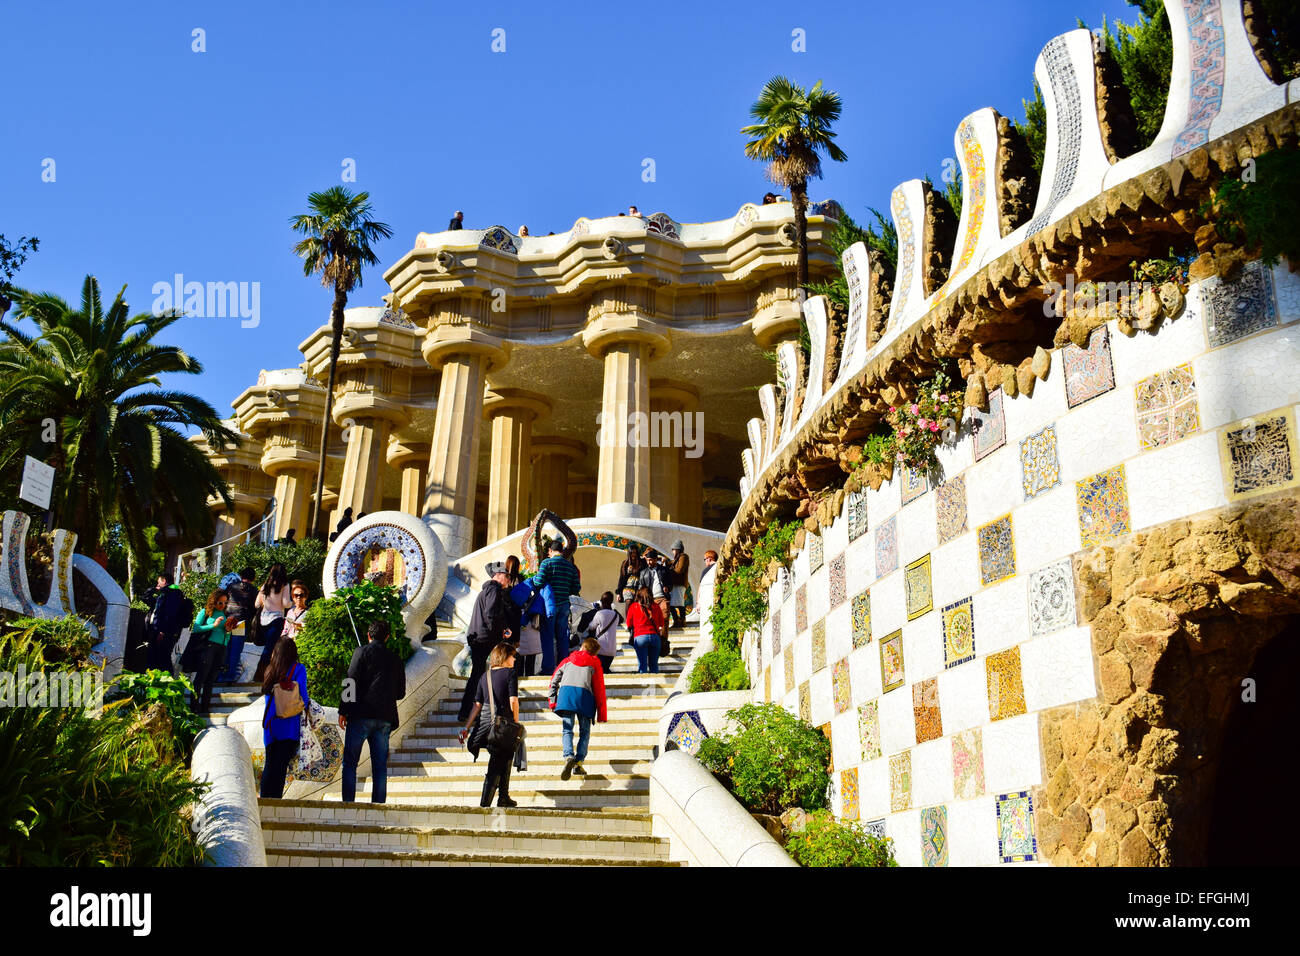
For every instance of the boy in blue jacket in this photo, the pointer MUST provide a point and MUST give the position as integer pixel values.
(578, 692)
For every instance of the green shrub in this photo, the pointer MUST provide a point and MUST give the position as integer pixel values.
(719, 669)
(1264, 213)
(740, 602)
(63, 642)
(826, 841)
(773, 762)
(336, 626)
(160, 687)
(304, 562)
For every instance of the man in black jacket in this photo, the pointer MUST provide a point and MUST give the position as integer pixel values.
(368, 711)
(495, 619)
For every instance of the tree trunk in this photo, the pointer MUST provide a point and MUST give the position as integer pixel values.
(336, 344)
(799, 197)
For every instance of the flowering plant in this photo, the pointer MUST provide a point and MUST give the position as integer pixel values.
(914, 430)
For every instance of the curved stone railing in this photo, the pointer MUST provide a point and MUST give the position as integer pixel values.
(227, 822)
(703, 822)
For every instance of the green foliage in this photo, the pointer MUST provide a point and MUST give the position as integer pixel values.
(772, 762)
(144, 567)
(1158, 271)
(61, 642)
(1280, 29)
(336, 626)
(12, 256)
(1263, 214)
(719, 669)
(1034, 130)
(845, 234)
(826, 841)
(160, 687)
(882, 239)
(1144, 53)
(304, 562)
(917, 428)
(952, 192)
(740, 603)
(81, 790)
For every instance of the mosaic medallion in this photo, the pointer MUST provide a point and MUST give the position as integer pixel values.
(1259, 454)
(1006, 689)
(837, 585)
(1088, 372)
(887, 547)
(819, 645)
(1239, 307)
(997, 550)
(841, 686)
(816, 554)
(869, 729)
(917, 588)
(1039, 466)
(925, 710)
(989, 428)
(1051, 598)
(1016, 841)
(849, 794)
(958, 633)
(934, 836)
(861, 619)
(914, 483)
(856, 508)
(950, 508)
(876, 828)
(789, 669)
(1103, 506)
(1166, 407)
(686, 731)
(801, 609)
(805, 703)
(968, 764)
(900, 781)
(891, 661)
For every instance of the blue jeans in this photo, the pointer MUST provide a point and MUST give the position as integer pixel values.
(236, 651)
(647, 653)
(584, 734)
(374, 731)
(555, 639)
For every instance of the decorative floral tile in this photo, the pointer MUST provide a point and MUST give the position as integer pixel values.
(869, 729)
(1166, 407)
(838, 589)
(1051, 598)
(805, 703)
(686, 731)
(856, 507)
(816, 553)
(819, 645)
(801, 609)
(767, 684)
(997, 550)
(989, 428)
(968, 764)
(776, 633)
(914, 483)
(842, 687)
(958, 633)
(789, 669)
(934, 836)
(1239, 307)
(862, 619)
(826, 732)
(891, 662)
(917, 588)
(900, 781)
(950, 505)
(1259, 454)
(786, 583)
(876, 828)
(1006, 688)
(925, 710)
(1103, 506)
(849, 794)
(1016, 840)
(1088, 372)
(887, 547)
(1039, 466)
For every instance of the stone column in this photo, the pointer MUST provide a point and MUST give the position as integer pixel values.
(465, 355)
(582, 497)
(410, 458)
(670, 404)
(293, 466)
(552, 458)
(627, 344)
(511, 411)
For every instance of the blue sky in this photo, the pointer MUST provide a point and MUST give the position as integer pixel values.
(168, 160)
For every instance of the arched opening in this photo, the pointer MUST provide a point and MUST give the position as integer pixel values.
(1257, 767)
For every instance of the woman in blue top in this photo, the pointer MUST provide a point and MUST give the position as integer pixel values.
(280, 734)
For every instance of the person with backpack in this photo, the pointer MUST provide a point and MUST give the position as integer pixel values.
(206, 651)
(577, 694)
(604, 628)
(368, 712)
(243, 611)
(655, 578)
(165, 622)
(645, 619)
(562, 575)
(285, 688)
(681, 570)
(272, 601)
(497, 695)
(495, 619)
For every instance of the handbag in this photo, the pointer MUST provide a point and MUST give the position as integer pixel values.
(288, 701)
(320, 748)
(530, 641)
(504, 733)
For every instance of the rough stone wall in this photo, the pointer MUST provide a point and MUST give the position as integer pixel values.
(1115, 115)
(1178, 614)
(1017, 186)
(940, 238)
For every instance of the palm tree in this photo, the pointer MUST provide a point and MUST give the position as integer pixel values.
(792, 129)
(84, 395)
(339, 233)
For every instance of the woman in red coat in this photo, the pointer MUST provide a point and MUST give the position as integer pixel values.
(645, 619)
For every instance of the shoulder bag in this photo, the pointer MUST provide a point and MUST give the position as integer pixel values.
(504, 734)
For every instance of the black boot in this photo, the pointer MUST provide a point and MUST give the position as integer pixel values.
(503, 799)
(489, 788)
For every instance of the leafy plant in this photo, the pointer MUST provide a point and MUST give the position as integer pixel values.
(304, 561)
(740, 603)
(1158, 271)
(1278, 24)
(336, 626)
(1263, 214)
(826, 841)
(772, 762)
(1034, 130)
(917, 428)
(718, 669)
(61, 642)
(160, 687)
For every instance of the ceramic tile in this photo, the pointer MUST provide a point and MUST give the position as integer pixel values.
(912, 483)
(891, 661)
(838, 587)
(801, 609)
(849, 794)
(989, 428)
(950, 508)
(925, 710)
(1259, 454)
(1166, 407)
(900, 782)
(869, 729)
(776, 634)
(1040, 468)
(686, 731)
(805, 703)
(887, 547)
(843, 689)
(789, 669)
(1051, 598)
(1088, 372)
(1016, 840)
(819, 645)
(958, 633)
(934, 836)
(816, 552)
(968, 764)
(997, 550)
(786, 583)
(1239, 307)
(767, 684)
(917, 588)
(1006, 688)
(876, 828)
(856, 508)
(862, 619)
(1102, 500)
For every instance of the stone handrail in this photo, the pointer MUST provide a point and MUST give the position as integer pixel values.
(705, 824)
(227, 822)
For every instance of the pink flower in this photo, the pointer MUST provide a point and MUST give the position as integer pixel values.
(920, 422)
(934, 426)
(943, 398)
(916, 409)
(892, 409)
(900, 456)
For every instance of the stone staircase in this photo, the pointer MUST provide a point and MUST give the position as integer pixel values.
(432, 815)
(228, 698)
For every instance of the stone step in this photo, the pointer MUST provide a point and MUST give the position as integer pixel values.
(283, 835)
(538, 750)
(574, 794)
(535, 698)
(551, 763)
(528, 716)
(541, 724)
(334, 858)
(597, 820)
